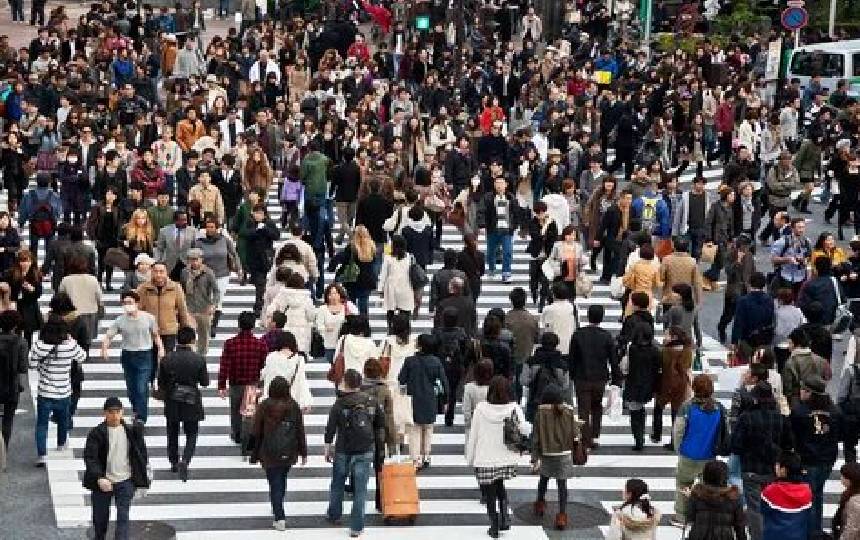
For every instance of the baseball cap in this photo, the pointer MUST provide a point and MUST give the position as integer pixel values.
(112, 403)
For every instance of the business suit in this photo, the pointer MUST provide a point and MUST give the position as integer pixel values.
(172, 254)
(506, 87)
(227, 142)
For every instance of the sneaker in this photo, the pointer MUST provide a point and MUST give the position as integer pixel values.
(355, 534)
(677, 523)
(506, 278)
(63, 448)
(41, 461)
(280, 525)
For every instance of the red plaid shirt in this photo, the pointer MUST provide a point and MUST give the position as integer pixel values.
(242, 359)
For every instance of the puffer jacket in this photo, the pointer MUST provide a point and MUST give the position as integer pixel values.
(802, 364)
(356, 351)
(632, 523)
(299, 308)
(716, 513)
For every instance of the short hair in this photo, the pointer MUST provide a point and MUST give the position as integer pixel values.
(372, 368)
(681, 244)
(791, 462)
(285, 340)
(703, 386)
(758, 280)
(823, 266)
(518, 297)
(129, 294)
(646, 252)
(9, 321)
(595, 314)
(247, 320)
(492, 327)
(279, 318)
(799, 337)
(640, 299)
(499, 392)
(560, 291)
(279, 388)
(186, 335)
(427, 343)
(352, 379)
(484, 372)
(549, 340)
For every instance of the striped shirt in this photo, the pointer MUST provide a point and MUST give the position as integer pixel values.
(55, 368)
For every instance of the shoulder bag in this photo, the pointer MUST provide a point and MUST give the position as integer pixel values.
(843, 317)
(338, 367)
(385, 359)
(513, 437)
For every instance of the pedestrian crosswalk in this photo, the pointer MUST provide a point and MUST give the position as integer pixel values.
(227, 497)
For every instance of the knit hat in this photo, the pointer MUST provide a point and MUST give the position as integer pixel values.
(112, 403)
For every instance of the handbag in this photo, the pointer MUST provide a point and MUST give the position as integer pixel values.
(709, 253)
(349, 272)
(317, 344)
(550, 268)
(513, 437)
(338, 367)
(417, 276)
(457, 215)
(616, 287)
(843, 317)
(117, 258)
(385, 360)
(579, 452)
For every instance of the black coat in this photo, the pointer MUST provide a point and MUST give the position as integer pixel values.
(540, 245)
(346, 181)
(716, 513)
(591, 354)
(372, 212)
(185, 367)
(420, 374)
(474, 266)
(466, 313)
(260, 241)
(96, 453)
(644, 372)
(500, 353)
(10, 241)
(13, 363)
(490, 212)
(419, 244)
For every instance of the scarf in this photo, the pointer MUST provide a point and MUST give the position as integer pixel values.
(191, 279)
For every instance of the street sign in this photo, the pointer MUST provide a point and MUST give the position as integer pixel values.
(795, 3)
(794, 18)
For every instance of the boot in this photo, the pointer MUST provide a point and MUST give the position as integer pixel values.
(504, 515)
(637, 426)
(539, 508)
(561, 521)
(216, 317)
(493, 531)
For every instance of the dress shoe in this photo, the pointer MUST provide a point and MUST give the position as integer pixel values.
(561, 521)
(539, 508)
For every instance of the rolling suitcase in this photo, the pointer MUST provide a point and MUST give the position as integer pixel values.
(398, 491)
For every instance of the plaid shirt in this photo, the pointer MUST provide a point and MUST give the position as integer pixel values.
(242, 359)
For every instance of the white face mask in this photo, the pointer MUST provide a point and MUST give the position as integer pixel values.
(130, 309)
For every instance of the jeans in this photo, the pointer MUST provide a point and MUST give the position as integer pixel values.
(45, 408)
(277, 479)
(320, 284)
(358, 467)
(506, 240)
(377, 259)
(34, 243)
(258, 279)
(137, 367)
(816, 475)
(753, 484)
(346, 217)
(122, 494)
(190, 428)
(223, 8)
(697, 239)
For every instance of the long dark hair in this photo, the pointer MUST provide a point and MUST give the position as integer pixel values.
(686, 293)
(851, 471)
(638, 491)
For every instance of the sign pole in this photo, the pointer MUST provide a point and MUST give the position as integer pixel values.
(831, 29)
(797, 38)
(645, 19)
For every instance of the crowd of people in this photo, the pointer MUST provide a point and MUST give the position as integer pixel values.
(136, 142)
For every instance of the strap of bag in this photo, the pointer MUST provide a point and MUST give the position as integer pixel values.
(836, 289)
(298, 365)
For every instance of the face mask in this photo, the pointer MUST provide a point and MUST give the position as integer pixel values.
(130, 309)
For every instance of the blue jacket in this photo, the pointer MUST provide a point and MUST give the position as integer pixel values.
(702, 430)
(610, 65)
(13, 107)
(786, 508)
(662, 221)
(753, 311)
(29, 202)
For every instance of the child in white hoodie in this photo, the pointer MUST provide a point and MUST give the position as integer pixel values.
(636, 519)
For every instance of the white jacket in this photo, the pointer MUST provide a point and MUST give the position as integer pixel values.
(291, 368)
(485, 446)
(394, 284)
(398, 354)
(631, 523)
(356, 351)
(560, 318)
(328, 324)
(300, 311)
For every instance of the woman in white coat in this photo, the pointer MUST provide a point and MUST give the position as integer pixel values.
(486, 451)
(356, 344)
(636, 518)
(296, 303)
(394, 285)
(285, 361)
(331, 316)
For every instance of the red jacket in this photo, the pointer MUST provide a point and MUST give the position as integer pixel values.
(380, 15)
(724, 120)
(359, 50)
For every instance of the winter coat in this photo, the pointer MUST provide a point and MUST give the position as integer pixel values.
(96, 454)
(786, 508)
(675, 384)
(716, 513)
(719, 224)
(631, 523)
(548, 360)
(419, 241)
(13, 364)
(356, 351)
(299, 308)
(780, 184)
(644, 372)
(485, 446)
(183, 367)
(592, 354)
(554, 433)
(167, 306)
(807, 161)
(270, 413)
(394, 284)
(260, 242)
(822, 289)
(422, 374)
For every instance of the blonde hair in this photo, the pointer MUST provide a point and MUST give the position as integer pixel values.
(363, 244)
(141, 233)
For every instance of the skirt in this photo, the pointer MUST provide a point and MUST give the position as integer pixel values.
(488, 475)
(558, 467)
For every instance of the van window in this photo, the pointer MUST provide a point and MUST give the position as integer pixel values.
(809, 63)
(856, 64)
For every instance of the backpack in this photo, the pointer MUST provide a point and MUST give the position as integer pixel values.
(850, 405)
(42, 222)
(450, 350)
(282, 443)
(543, 378)
(357, 427)
(649, 213)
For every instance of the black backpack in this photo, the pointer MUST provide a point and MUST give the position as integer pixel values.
(282, 443)
(357, 427)
(451, 348)
(543, 378)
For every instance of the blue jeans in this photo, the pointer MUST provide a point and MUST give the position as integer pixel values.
(320, 284)
(697, 239)
(377, 259)
(223, 7)
(277, 478)
(816, 475)
(122, 494)
(507, 242)
(137, 367)
(45, 407)
(358, 467)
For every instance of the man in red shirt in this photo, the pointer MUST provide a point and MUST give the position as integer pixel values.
(359, 49)
(242, 358)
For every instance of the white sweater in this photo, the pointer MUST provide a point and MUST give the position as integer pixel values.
(485, 446)
(292, 368)
(356, 351)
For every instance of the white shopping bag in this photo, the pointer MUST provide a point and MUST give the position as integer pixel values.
(613, 403)
(616, 287)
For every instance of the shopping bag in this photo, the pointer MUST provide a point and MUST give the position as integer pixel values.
(402, 403)
(550, 268)
(709, 253)
(616, 287)
(603, 77)
(613, 403)
(583, 285)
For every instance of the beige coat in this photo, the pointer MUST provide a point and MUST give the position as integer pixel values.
(643, 276)
(680, 268)
(210, 200)
(168, 308)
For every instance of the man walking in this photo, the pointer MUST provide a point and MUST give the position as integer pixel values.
(359, 424)
(165, 300)
(116, 461)
(500, 211)
(139, 332)
(592, 357)
(201, 296)
(174, 241)
(242, 359)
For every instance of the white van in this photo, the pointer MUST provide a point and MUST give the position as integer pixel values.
(833, 61)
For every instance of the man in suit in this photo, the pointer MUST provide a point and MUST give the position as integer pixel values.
(347, 179)
(230, 129)
(173, 244)
(506, 87)
(87, 149)
(394, 128)
(229, 183)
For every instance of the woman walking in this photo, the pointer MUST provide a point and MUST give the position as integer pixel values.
(394, 282)
(715, 509)
(640, 385)
(286, 361)
(330, 317)
(103, 227)
(486, 451)
(220, 256)
(636, 518)
(425, 381)
(555, 430)
(674, 384)
(25, 286)
(279, 430)
(356, 346)
(354, 266)
(846, 521)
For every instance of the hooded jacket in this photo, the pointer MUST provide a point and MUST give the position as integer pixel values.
(716, 513)
(786, 509)
(632, 523)
(485, 446)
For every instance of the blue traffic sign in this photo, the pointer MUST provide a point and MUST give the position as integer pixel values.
(795, 18)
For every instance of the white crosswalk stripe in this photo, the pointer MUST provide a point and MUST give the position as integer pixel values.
(228, 498)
